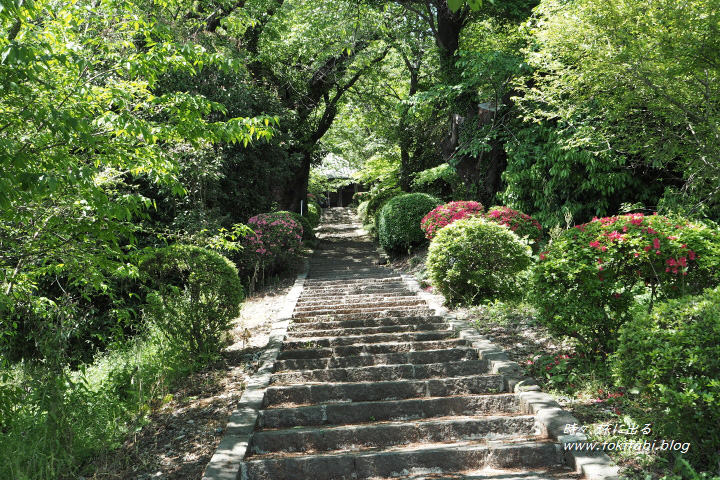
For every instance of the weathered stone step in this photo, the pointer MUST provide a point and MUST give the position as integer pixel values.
(375, 338)
(315, 283)
(375, 391)
(360, 311)
(363, 412)
(369, 349)
(362, 322)
(553, 473)
(421, 327)
(357, 301)
(426, 458)
(389, 434)
(395, 312)
(382, 373)
(390, 289)
(328, 308)
(417, 357)
(312, 300)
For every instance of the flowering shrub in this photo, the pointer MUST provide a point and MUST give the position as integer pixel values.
(557, 370)
(277, 238)
(308, 235)
(587, 283)
(446, 214)
(473, 259)
(671, 357)
(398, 223)
(523, 225)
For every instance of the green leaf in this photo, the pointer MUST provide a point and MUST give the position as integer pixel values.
(454, 5)
(474, 5)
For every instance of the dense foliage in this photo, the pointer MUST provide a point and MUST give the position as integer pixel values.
(473, 259)
(446, 214)
(399, 219)
(588, 282)
(670, 357)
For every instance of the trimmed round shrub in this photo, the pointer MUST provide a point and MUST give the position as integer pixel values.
(399, 220)
(308, 234)
(194, 295)
(523, 225)
(473, 259)
(277, 238)
(376, 202)
(446, 214)
(588, 281)
(313, 214)
(672, 358)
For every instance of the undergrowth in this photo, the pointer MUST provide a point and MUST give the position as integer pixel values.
(52, 427)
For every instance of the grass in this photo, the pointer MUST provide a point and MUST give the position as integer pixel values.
(57, 423)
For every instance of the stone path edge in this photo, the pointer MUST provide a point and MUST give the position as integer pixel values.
(226, 463)
(594, 465)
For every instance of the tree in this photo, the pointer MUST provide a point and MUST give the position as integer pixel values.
(636, 84)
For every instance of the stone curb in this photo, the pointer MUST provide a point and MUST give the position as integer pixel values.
(226, 463)
(551, 418)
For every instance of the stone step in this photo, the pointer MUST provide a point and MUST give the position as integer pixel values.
(348, 299)
(416, 358)
(424, 458)
(390, 434)
(375, 338)
(382, 372)
(553, 473)
(369, 349)
(362, 322)
(328, 308)
(421, 327)
(393, 410)
(396, 312)
(357, 301)
(360, 311)
(329, 283)
(389, 289)
(375, 391)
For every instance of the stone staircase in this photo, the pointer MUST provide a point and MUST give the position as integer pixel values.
(370, 383)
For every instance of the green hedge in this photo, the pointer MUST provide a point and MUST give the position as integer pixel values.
(474, 259)
(398, 224)
(672, 358)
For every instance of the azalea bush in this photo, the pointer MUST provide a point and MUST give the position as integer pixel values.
(398, 224)
(446, 214)
(474, 259)
(523, 225)
(276, 240)
(592, 277)
(308, 235)
(671, 358)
